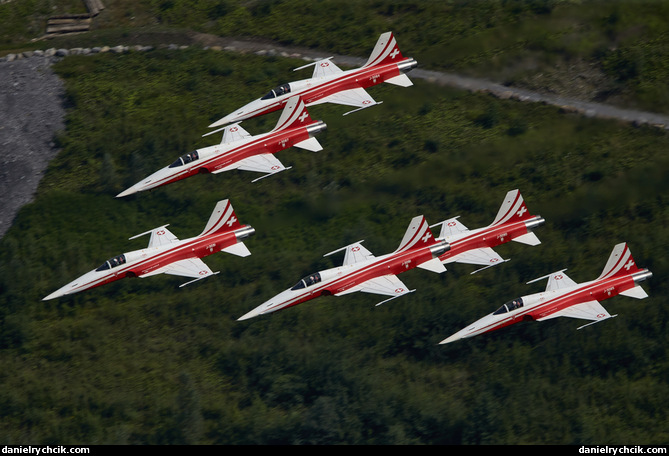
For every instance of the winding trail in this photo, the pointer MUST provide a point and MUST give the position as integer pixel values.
(32, 111)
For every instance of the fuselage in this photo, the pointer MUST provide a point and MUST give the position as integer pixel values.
(490, 236)
(543, 305)
(342, 278)
(312, 90)
(223, 157)
(143, 262)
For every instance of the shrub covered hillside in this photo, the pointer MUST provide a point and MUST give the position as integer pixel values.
(142, 361)
(602, 50)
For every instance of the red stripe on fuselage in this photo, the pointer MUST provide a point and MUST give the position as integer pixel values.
(190, 248)
(357, 78)
(264, 144)
(488, 237)
(573, 297)
(380, 267)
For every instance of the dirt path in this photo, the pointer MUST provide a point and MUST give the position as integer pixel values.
(32, 112)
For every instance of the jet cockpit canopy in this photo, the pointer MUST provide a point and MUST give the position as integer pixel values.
(308, 281)
(277, 92)
(509, 306)
(112, 263)
(184, 159)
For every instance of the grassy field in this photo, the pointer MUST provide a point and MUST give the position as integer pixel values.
(143, 361)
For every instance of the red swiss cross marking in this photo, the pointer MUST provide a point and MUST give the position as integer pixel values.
(629, 264)
(494, 260)
(558, 277)
(355, 249)
(304, 115)
(203, 273)
(160, 232)
(366, 102)
(233, 129)
(394, 53)
(325, 64)
(275, 167)
(399, 290)
(451, 223)
(521, 211)
(601, 315)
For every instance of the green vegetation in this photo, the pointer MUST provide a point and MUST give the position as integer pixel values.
(614, 51)
(143, 361)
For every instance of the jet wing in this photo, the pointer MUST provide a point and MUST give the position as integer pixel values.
(262, 163)
(159, 236)
(322, 68)
(233, 133)
(388, 285)
(325, 67)
(358, 98)
(590, 310)
(191, 267)
(556, 281)
(484, 256)
(451, 228)
(356, 253)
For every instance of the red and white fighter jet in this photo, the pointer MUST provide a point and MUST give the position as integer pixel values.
(565, 298)
(240, 150)
(167, 254)
(512, 223)
(330, 84)
(364, 272)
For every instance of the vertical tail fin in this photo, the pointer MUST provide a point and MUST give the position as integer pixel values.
(385, 51)
(222, 219)
(513, 209)
(294, 113)
(418, 234)
(620, 262)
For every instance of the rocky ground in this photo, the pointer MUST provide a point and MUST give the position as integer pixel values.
(31, 113)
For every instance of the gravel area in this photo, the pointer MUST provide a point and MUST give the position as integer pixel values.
(31, 113)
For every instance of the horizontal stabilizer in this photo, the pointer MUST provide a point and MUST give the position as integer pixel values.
(402, 80)
(636, 292)
(529, 239)
(238, 249)
(433, 265)
(311, 144)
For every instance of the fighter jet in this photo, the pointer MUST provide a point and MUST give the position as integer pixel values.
(512, 223)
(167, 254)
(565, 298)
(330, 84)
(362, 271)
(240, 150)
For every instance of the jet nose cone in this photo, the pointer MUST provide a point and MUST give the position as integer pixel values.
(254, 313)
(132, 190)
(54, 295)
(278, 302)
(450, 339)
